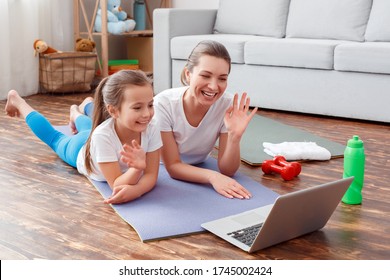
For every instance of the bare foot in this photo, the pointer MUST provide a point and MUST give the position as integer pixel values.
(73, 114)
(13, 101)
(85, 102)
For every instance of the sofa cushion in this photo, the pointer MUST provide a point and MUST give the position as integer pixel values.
(363, 57)
(291, 52)
(328, 19)
(256, 17)
(182, 46)
(378, 26)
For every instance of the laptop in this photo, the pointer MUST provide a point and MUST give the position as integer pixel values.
(292, 215)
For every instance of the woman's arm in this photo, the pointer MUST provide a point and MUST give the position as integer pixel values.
(229, 157)
(175, 167)
(179, 170)
(236, 122)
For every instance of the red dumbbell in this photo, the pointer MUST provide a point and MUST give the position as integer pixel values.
(281, 160)
(287, 172)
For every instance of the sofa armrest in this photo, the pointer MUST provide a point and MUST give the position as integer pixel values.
(169, 23)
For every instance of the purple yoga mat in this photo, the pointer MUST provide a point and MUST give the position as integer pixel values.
(175, 208)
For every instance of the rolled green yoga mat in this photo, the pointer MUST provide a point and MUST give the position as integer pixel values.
(262, 129)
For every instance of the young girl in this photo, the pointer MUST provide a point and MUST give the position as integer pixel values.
(122, 124)
(193, 117)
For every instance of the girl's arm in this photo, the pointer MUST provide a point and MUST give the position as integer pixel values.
(135, 158)
(115, 177)
(177, 169)
(138, 182)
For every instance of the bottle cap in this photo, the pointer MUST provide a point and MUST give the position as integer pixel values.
(355, 142)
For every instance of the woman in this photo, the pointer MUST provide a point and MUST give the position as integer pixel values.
(192, 118)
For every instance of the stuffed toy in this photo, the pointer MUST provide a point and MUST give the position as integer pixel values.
(84, 45)
(42, 47)
(117, 21)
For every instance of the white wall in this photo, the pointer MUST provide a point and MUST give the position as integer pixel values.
(198, 4)
(21, 23)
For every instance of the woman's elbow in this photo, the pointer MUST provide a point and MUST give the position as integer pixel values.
(228, 171)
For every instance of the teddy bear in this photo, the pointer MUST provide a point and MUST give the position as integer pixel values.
(42, 47)
(117, 21)
(84, 45)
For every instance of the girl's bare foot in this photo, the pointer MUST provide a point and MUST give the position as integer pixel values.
(85, 102)
(73, 114)
(13, 102)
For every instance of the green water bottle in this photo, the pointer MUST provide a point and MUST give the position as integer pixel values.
(354, 160)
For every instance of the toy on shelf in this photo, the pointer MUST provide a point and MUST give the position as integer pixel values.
(117, 21)
(125, 64)
(84, 45)
(122, 64)
(41, 47)
(288, 170)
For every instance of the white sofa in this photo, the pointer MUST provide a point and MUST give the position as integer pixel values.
(328, 57)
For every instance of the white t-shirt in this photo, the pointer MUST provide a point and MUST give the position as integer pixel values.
(106, 147)
(194, 143)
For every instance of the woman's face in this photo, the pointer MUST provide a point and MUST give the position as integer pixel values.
(208, 80)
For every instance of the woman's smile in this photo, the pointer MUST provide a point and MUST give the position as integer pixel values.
(209, 94)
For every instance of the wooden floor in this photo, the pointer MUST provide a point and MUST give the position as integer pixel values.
(49, 211)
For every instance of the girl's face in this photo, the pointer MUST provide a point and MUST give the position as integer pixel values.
(136, 110)
(208, 79)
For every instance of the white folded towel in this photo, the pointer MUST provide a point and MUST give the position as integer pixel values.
(297, 150)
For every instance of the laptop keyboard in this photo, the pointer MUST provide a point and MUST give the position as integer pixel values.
(246, 235)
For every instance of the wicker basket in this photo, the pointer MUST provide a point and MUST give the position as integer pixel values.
(67, 71)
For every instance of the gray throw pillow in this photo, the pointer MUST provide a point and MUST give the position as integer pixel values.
(255, 17)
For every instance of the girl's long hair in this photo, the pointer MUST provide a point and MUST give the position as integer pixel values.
(206, 47)
(110, 91)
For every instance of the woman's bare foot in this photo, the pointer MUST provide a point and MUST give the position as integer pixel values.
(84, 103)
(16, 106)
(73, 114)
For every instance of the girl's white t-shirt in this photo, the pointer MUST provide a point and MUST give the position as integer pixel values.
(106, 147)
(194, 143)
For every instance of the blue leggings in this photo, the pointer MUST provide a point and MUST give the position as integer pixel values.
(67, 147)
(88, 109)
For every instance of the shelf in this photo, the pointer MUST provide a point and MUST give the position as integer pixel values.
(134, 33)
(78, 6)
